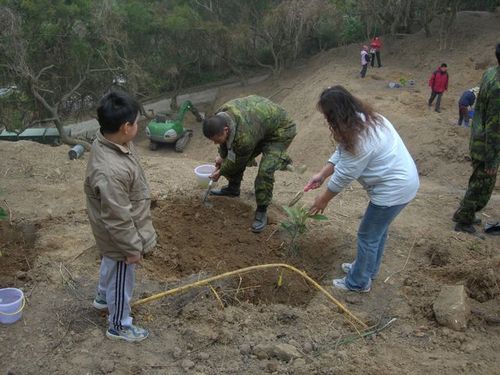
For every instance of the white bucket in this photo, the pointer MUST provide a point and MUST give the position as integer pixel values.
(11, 305)
(203, 173)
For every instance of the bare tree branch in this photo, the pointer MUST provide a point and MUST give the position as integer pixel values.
(43, 70)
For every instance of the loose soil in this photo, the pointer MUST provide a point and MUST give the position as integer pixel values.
(194, 238)
(247, 324)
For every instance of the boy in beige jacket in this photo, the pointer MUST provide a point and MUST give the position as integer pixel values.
(118, 206)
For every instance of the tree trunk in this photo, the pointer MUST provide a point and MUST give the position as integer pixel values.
(53, 110)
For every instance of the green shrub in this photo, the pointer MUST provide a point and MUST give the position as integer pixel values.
(295, 225)
(352, 29)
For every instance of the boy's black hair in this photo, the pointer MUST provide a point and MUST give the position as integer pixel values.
(213, 126)
(115, 109)
(443, 65)
(497, 53)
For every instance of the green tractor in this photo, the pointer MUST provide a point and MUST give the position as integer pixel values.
(165, 129)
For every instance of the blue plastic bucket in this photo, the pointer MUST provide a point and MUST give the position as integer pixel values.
(11, 305)
(471, 113)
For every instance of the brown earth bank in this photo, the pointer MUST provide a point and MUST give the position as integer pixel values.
(248, 324)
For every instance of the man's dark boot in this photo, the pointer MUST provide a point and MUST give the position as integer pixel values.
(476, 221)
(260, 221)
(231, 190)
(467, 228)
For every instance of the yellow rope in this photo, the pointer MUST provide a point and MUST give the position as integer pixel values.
(248, 269)
(217, 296)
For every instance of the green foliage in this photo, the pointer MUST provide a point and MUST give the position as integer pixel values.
(164, 45)
(3, 214)
(295, 225)
(352, 30)
(15, 109)
(327, 34)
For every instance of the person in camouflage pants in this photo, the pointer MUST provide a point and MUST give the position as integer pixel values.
(245, 128)
(484, 150)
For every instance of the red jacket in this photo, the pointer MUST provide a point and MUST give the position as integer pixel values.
(376, 44)
(439, 81)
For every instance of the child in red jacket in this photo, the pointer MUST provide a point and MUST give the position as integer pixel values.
(375, 46)
(438, 84)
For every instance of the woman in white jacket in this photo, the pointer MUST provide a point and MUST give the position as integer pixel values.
(370, 151)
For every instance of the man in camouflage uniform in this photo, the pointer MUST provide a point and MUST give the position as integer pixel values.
(244, 128)
(484, 150)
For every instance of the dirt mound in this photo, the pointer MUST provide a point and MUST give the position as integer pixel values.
(17, 254)
(195, 239)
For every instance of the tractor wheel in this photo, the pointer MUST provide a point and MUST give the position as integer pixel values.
(153, 146)
(182, 142)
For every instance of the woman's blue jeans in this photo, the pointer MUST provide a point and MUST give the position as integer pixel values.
(372, 234)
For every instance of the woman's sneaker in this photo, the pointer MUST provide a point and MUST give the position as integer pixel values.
(130, 334)
(341, 284)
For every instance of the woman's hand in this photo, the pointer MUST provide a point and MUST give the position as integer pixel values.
(321, 201)
(133, 259)
(319, 205)
(314, 182)
(317, 180)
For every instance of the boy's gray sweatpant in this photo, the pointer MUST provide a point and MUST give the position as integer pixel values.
(116, 284)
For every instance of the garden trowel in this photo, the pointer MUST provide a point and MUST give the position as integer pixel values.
(206, 203)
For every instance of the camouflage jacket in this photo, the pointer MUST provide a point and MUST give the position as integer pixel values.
(254, 120)
(485, 132)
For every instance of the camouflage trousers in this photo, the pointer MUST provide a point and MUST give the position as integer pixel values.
(274, 157)
(478, 194)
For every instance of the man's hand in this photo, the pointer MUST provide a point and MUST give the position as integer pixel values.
(491, 171)
(133, 259)
(215, 175)
(218, 162)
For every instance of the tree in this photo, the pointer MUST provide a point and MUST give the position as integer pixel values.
(32, 54)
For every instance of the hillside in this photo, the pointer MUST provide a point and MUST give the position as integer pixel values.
(48, 250)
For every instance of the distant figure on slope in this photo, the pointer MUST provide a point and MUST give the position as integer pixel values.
(484, 152)
(465, 105)
(365, 59)
(375, 47)
(438, 84)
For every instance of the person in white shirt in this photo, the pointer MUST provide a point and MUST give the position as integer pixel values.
(370, 151)
(365, 59)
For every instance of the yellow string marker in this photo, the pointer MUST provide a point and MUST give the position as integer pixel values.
(249, 269)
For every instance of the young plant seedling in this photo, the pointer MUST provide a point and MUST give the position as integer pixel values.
(295, 225)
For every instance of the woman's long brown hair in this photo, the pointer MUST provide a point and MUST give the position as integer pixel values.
(342, 112)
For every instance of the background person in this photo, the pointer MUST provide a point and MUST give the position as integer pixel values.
(465, 104)
(484, 150)
(365, 59)
(375, 47)
(438, 84)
